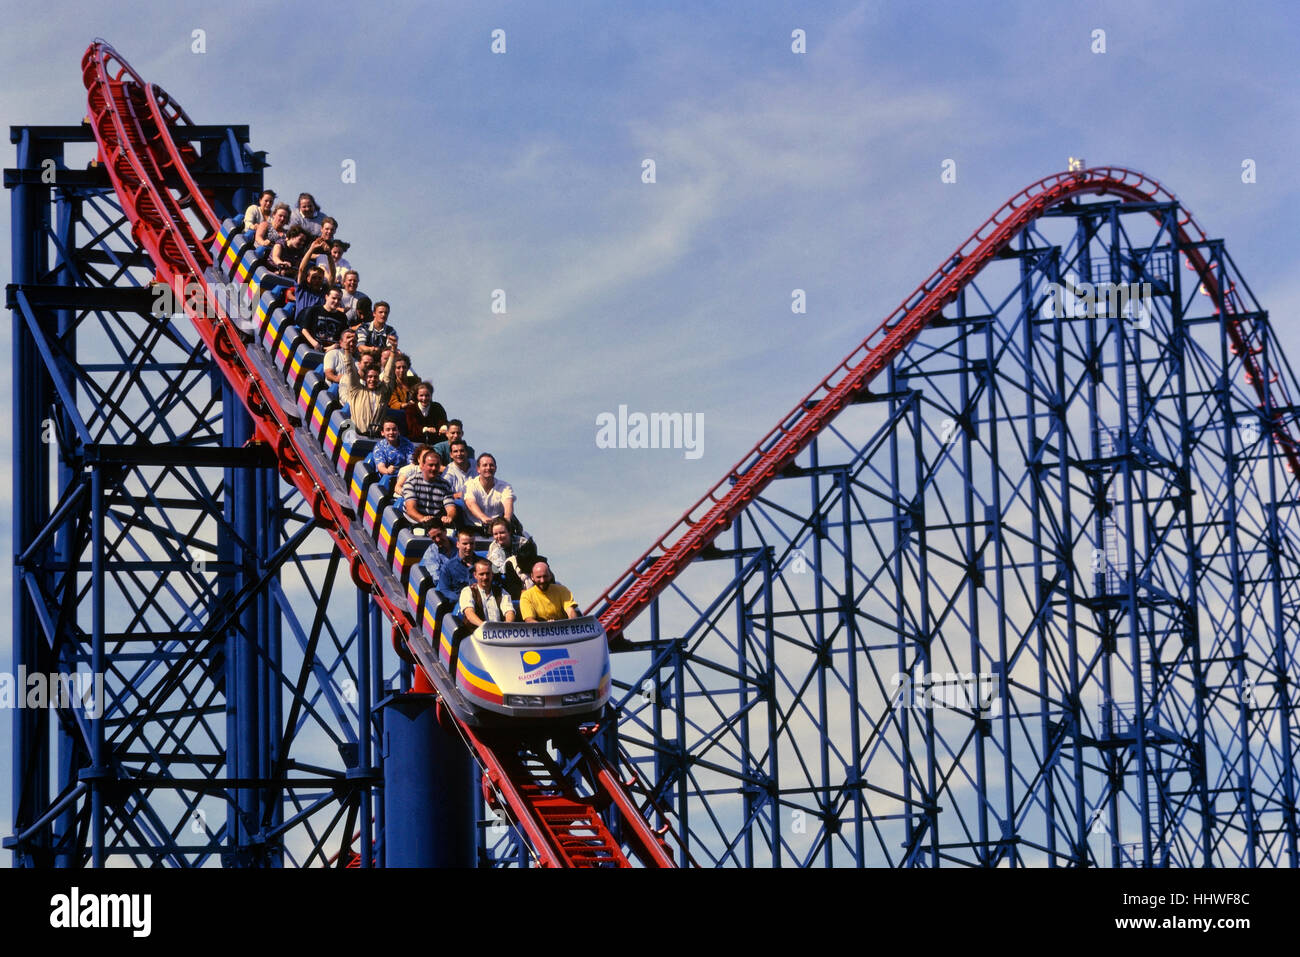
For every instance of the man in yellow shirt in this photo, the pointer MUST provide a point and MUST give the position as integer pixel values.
(546, 600)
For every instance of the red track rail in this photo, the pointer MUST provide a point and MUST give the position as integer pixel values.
(172, 219)
(663, 561)
(137, 149)
(568, 826)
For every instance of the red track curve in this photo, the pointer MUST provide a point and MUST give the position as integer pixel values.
(172, 219)
(140, 155)
(663, 561)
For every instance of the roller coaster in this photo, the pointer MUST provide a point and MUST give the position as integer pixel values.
(1099, 538)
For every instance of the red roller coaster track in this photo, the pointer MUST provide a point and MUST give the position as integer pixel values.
(663, 561)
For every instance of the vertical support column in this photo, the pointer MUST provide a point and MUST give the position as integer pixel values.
(31, 753)
(825, 657)
(1006, 847)
(1128, 383)
(428, 788)
(97, 772)
(68, 209)
(769, 681)
(1039, 500)
(1065, 460)
(679, 704)
(851, 638)
(237, 554)
(748, 797)
(1178, 346)
(666, 767)
(270, 533)
(365, 628)
(1282, 688)
(1231, 520)
(917, 539)
(975, 574)
(378, 628)
(901, 532)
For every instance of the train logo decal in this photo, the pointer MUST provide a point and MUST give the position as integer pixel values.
(547, 666)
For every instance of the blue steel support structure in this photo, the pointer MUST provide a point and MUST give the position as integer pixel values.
(31, 726)
(156, 547)
(1032, 600)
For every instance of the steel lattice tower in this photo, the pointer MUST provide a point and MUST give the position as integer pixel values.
(1031, 600)
(155, 545)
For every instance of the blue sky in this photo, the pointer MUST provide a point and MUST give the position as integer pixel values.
(820, 171)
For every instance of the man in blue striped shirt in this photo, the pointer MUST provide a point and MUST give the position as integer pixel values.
(377, 335)
(430, 500)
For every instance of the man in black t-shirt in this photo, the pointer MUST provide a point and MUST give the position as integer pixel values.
(323, 325)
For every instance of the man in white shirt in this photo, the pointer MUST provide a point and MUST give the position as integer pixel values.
(351, 296)
(461, 469)
(486, 497)
(338, 357)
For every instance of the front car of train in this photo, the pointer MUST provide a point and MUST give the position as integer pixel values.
(531, 670)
